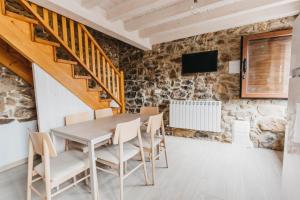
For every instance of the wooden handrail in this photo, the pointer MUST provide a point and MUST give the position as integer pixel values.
(87, 52)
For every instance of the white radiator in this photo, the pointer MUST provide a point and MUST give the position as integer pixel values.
(196, 115)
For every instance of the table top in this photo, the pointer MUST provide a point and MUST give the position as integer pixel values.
(96, 130)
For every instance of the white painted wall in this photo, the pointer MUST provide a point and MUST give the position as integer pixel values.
(54, 102)
(14, 146)
(295, 59)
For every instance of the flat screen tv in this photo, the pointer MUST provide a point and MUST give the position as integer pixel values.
(200, 62)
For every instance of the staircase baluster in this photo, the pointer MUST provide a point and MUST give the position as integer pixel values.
(80, 45)
(46, 16)
(108, 76)
(72, 33)
(55, 23)
(118, 86)
(104, 71)
(64, 30)
(113, 81)
(93, 59)
(98, 64)
(3, 8)
(87, 55)
(34, 7)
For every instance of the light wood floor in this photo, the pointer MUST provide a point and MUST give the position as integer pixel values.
(199, 170)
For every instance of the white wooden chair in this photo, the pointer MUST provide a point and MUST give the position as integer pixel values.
(148, 111)
(121, 151)
(154, 140)
(106, 112)
(54, 169)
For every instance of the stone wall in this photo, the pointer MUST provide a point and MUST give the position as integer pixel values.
(16, 98)
(154, 77)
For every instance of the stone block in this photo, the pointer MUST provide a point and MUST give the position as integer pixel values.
(2, 106)
(5, 121)
(271, 110)
(184, 133)
(272, 124)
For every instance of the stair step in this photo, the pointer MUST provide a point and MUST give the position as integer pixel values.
(79, 73)
(92, 85)
(61, 53)
(105, 100)
(98, 89)
(82, 77)
(66, 61)
(21, 17)
(43, 41)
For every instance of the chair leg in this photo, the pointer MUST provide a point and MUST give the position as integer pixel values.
(46, 161)
(121, 181)
(144, 166)
(66, 145)
(86, 181)
(29, 183)
(166, 156)
(30, 168)
(158, 152)
(153, 165)
(125, 167)
(48, 189)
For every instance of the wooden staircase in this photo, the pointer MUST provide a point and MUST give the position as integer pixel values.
(19, 32)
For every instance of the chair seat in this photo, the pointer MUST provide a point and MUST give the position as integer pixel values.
(65, 165)
(146, 140)
(111, 153)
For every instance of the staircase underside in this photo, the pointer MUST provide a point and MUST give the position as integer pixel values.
(15, 62)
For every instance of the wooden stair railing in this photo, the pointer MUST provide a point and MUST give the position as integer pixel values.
(78, 41)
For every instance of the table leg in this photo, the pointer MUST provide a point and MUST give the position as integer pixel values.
(93, 172)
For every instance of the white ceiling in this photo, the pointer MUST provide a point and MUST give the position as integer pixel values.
(143, 23)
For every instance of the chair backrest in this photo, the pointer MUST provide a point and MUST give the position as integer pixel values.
(78, 117)
(127, 131)
(155, 123)
(106, 112)
(149, 110)
(39, 140)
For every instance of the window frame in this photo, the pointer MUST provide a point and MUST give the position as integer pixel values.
(245, 65)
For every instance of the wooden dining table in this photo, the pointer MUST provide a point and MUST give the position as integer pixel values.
(91, 133)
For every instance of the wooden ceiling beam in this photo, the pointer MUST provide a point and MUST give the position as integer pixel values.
(133, 8)
(223, 12)
(229, 22)
(165, 14)
(126, 8)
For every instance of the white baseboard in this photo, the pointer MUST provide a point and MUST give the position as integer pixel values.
(14, 164)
